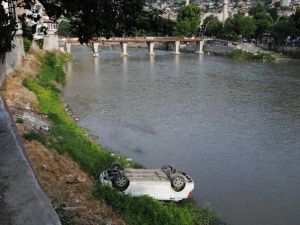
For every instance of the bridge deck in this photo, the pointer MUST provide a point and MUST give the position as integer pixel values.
(139, 40)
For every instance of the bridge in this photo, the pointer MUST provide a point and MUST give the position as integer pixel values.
(150, 41)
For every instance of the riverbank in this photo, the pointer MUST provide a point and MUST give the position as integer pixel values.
(45, 124)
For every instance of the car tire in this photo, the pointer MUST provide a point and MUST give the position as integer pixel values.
(116, 167)
(177, 183)
(120, 182)
(168, 170)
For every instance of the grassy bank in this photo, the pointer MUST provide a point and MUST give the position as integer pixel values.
(65, 136)
(240, 54)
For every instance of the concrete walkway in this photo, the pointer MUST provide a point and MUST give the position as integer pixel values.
(22, 202)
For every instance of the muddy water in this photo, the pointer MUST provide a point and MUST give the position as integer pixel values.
(233, 126)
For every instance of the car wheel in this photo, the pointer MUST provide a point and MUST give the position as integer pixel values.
(116, 167)
(178, 183)
(120, 182)
(168, 168)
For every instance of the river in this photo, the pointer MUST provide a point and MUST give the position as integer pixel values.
(233, 126)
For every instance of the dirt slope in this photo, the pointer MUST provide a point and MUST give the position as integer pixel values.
(69, 188)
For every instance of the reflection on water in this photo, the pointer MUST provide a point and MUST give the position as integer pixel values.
(234, 126)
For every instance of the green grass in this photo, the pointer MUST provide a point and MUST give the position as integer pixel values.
(67, 137)
(239, 54)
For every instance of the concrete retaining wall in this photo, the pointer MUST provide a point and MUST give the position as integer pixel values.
(51, 42)
(13, 59)
(282, 48)
(22, 201)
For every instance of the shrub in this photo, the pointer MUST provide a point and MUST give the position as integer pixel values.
(19, 119)
(33, 135)
(27, 44)
(239, 54)
(40, 43)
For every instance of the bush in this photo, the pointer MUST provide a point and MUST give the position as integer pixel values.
(40, 43)
(33, 135)
(19, 119)
(27, 44)
(239, 54)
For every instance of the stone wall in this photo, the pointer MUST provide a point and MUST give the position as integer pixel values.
(282, 48)
(12, 59)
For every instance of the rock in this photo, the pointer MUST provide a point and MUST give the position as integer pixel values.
(27, 106)
(81, 179)
(44, 128)
(45, 167)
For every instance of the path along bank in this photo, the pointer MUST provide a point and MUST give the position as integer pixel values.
(74, 188)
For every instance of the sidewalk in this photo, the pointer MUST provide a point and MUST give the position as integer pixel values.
(22, 202)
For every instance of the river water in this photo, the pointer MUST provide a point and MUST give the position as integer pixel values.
(233, 126)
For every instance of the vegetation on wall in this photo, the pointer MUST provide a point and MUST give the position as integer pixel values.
(27, 44)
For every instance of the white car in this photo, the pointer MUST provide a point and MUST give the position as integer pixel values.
(165, 184)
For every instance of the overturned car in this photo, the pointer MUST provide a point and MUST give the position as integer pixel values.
(165, 184)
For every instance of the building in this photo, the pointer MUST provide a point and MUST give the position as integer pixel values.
(285, 3)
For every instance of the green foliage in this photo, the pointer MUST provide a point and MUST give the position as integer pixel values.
(239, 26)
(66, 136)
(145, 210)
(34, 135)
(40, 43)
(8, 28)
(27, 32)
(239, 54)
(27, 44)
(212, 26)
(65, 29)
(188, 21)
(19, 119)
(150, 23)
(263, 23)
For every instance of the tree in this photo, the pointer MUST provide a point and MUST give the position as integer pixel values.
(8, 28)
(212, 26)
(65, 29)
(152, 24)
(296, 19)
(284, 27)
(188, 21)
(89, 18)
(239, 26)
(263, 23)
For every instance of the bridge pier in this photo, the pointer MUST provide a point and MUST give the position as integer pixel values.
(200, 47)
(68, 47)
(96, 49)
(150, 48)
(124, 48)
(177, 46)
